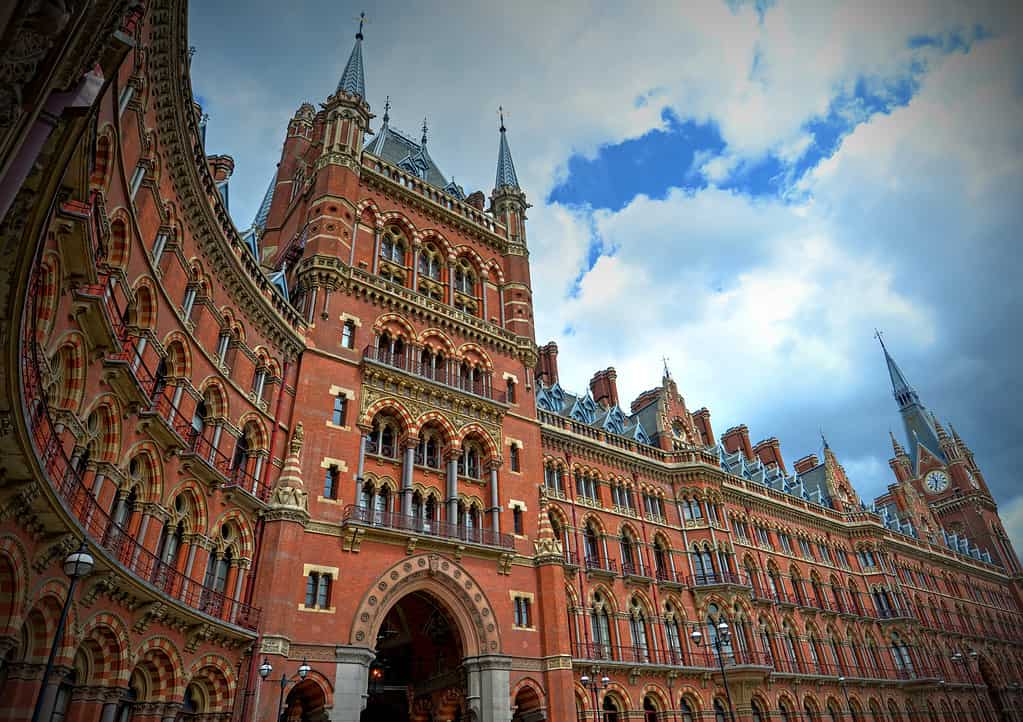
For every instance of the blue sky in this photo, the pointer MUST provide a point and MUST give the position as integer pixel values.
(746, 188)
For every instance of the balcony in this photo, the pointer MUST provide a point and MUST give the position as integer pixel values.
(631, 655)
(636, 572)
(98, 316)
(571, 559)
(447, 376)
(163, 420)
(668, 579)
(218, 470)
(601, 567)
(895, 614)
(412, 525)
(128, 376)
(717, 580)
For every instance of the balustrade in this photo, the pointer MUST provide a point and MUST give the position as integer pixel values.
(363, 516)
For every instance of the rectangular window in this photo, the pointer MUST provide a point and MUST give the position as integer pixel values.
(340, 410)
(330, 482)
(222, 344)
(511, 391)
(517, 518)
(348, 334)
(513, 458)
(258, 380)
(188, 302)
(136, 180)
(522, 612)
(786, 543)
(317, 591)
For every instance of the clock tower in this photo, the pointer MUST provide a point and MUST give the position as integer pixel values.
(939, 468)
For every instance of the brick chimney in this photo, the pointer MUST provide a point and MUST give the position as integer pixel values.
(221, 166)
(769, 452)
(737, 439)
(806, 463)
(604, 387)
(547, 364)
(702, 420)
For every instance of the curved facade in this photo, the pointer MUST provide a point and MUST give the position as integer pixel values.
(330, 442)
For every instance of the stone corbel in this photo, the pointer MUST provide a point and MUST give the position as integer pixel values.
(149, 613)
(352, 539)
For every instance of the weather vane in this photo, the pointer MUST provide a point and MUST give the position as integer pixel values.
(424, 131)
(362, 21)
(500, 113)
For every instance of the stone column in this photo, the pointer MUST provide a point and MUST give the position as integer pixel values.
(495, 501)
(376, 250)
(351, 683)
(362, 461)
(406, 476)
(415, 266)
(451, 280)
(452, 491)
(489, 694)
(111, 698)
(170, 711)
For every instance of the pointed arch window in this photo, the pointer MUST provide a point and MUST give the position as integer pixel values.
(673, 633)
(592, 542)
(637, 627)
(392, 246)
(601, 627)
(429, 262)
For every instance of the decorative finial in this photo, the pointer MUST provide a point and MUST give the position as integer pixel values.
(667, 373)
(297, 437)
(824, 441)
(387, 109)
(880, 337)
(362, 21)
(424, 131)
(500, 112)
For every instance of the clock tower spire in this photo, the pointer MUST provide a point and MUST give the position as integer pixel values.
(921, 436)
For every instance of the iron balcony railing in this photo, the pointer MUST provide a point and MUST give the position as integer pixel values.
(711, 579)
(447, 374)
(81, 504)
(363, 516)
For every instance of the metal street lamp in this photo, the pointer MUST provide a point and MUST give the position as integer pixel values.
(720, 639)
(961, 658)
(595, 685)
(77, 565)
(845, 692)
(264, 673)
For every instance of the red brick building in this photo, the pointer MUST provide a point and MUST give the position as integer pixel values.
(328, 452)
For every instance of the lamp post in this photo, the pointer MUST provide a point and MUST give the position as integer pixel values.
(845, 693)
(720, 639)
(595, 685)
(77, 564)
(264, 673)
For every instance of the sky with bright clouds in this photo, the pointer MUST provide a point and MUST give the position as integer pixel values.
(747, 188)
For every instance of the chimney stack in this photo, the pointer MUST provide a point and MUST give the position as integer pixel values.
(547, 364)
(769, 452)
(604, 387)
(806, 463)
(701, 419)
(737, 439)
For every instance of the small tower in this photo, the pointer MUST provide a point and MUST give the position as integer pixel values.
(347, 112)
(508, 205)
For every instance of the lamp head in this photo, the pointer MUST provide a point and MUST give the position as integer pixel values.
(605, 681)
(304, 669)
(841, 680)
(585, 679)
(79, 563)
(696, 636)
(265, 669)
(974, 653)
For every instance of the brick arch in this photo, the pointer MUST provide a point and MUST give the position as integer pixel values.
(47, 294)
(621, 692)
(144, 310)
(215, 396)
(13, 585)
(49, 598)
(447, 581)
(196, 497)
(598, 523)
(103, 158)
(160, 659)
(152, 482)
(435, 236)
(241, 523)
(392, 405)
(482, 435)
(108, 437)
(118, 246)
(399, 219)
(494, 267)
(652, 689)
(437, 418)
(215, 675)
(474, 258)
(253, 423)
(381, 324)
(109, 635)
(467, 348)
(179, 357)
(610, 600)
(69, 362)
(434, 332)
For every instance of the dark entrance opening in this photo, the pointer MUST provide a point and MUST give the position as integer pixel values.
(417, 675)
(987, 675)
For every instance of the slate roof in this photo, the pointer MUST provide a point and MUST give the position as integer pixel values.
(399, 149)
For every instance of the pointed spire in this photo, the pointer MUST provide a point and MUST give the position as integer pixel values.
(901, 389)
(387, 110)
(425, 129)
(824, 441)
(506, 177)
(896, 446)
(942, 434)
(667, 373)
(353, 79)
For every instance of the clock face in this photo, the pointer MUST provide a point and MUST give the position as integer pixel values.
(936, 481)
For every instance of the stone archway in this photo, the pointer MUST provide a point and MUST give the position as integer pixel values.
(424, 606)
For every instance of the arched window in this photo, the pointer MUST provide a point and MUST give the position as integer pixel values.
(833, 714)
(592, 544)
(428, 451)
(469, 461)
(392, 246)
(649, 709)
(637, 627)
(600, 624)
(811, 712)
(757, 712)
(673, 633)
(611, 710)
(784, 711)
(661, 561)
(465, 278)
(719, 711)
(628, 556)
(382, 437)
(686, 710)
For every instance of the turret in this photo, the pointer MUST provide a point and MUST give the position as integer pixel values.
(900, 464)
(347, 112)
(508, 205)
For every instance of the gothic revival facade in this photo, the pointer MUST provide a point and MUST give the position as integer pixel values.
(325, 472)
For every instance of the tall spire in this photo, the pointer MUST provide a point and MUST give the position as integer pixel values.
(506, 177)
(387, 110)
(918, 422)
(903, 392)
(353, 79)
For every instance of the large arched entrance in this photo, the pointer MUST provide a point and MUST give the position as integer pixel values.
(435, 646)
(417, 675)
